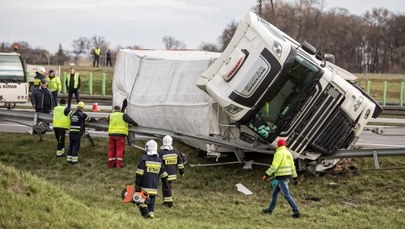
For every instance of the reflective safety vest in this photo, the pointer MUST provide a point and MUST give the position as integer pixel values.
(60, 120)
(117, 124)
(283, 164)
(97, 51)
(76, 79)
(54, 83)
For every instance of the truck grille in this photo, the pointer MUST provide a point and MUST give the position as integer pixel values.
(335, 133)
(324, 127)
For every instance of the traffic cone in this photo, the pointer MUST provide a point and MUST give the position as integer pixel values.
(95, 107)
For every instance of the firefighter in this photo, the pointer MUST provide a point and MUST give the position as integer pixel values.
(173, 161)
(61, 123)
(117, 131)
(77, 129)
(54, 84)
(283, 169)
(38, 76)
(150, 169)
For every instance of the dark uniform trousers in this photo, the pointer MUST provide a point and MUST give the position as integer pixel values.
(60, 137)
(74, 146)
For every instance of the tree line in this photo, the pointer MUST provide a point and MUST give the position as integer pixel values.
(373, 42)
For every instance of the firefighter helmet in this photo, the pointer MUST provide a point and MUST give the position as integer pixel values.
(81, 104)
(151, 147)
(167, 140)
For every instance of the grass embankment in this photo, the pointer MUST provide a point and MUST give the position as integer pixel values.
(377, 86)
(38, 190)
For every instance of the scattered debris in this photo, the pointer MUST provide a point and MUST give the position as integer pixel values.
(248, 165)
(313, 198)
(351, 202)
(241, 188)
(333, 184)
(345, 165)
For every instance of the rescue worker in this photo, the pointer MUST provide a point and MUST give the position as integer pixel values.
(117, 131)
(38, 76)
(77, 129)
(42, 99)
(283, 169)
(150, 169)
(96, 60)
(73, 86)
(173, 161)
(61, 123)
(54, 85)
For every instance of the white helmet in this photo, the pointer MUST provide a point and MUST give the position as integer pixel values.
(41, 69)
(151, 147)
(167, 142)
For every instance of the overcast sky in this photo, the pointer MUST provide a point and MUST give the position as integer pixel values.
(48, 23)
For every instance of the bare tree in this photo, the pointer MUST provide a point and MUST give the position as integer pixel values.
(60, 57)
(209, 47)
(172, 43)
(79, 46)
(227, 35)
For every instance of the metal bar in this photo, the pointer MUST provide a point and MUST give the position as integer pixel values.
(385, 93)
(376, 161)
(90, 83)
(368, 86)
(103, 84)
(401, 95)
(385, 152)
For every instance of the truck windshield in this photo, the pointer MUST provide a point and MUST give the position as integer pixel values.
(275, 110)
(11, 69)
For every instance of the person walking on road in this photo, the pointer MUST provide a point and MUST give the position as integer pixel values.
(173, 161)
(283, 169)
(117, 131)
(78, 121)
(61, 123)
(148, 173)
(54, 85)
(73, 86)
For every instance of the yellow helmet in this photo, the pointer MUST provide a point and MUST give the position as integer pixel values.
(80, 104)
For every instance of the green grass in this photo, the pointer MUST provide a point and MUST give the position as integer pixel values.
(377, 86)
(38, 190)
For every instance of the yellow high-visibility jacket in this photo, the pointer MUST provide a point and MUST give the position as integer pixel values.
(60, 120)
(283, 164)
(117, 124)
(54, 84)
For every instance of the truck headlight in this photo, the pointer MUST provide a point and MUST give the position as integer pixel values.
(358, 103)
(233, 109)
(277, 48)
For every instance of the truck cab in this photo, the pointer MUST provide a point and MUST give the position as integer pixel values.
(278, 87)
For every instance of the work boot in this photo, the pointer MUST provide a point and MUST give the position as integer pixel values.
(296, 215)
(168, 204)
(266, 211)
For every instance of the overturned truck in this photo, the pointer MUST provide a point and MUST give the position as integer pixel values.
(265, 85)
